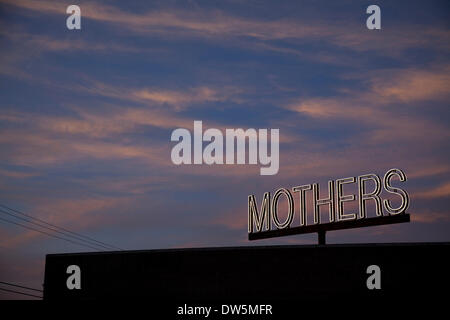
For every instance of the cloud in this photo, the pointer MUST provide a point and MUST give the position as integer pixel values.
(429, 170)
(412, 85)
(234, 219)
(381, 125)
(116, 121)
(39, 43)
(73, 214)
(385, 87)
(216, 24)
(207, 23)
(34, 139)
(441, 191)
(31, 149)
(43, 140)
(18, 174)
(177, 99)
(181, 99)
(378, 105)
(430, 217)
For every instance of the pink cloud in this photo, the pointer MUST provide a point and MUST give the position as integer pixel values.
(72, 214)
(437, 192)
(215, 25)
(430, 217)
(412, 85)
(429, 170)
(234, 219)
(18, 174)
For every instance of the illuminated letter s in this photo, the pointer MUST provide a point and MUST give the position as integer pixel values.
(403, 194)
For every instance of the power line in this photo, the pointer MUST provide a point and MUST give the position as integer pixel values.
(16, 285)
(48, 234)
(25, 294)
(52, 229)
(61, 228)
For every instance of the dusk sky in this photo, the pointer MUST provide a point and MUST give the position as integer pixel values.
(87, 115)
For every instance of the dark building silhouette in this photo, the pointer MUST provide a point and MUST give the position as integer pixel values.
(261, 273)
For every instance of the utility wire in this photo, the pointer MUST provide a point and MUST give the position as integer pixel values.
(25, 294)
(54, 230)
(48, 234)
(61, 228)
(16, 285)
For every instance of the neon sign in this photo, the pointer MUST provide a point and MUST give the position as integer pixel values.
(262, 221)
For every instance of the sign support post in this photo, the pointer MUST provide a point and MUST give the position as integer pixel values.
(321, 235)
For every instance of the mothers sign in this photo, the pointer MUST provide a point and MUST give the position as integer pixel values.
(262, 221)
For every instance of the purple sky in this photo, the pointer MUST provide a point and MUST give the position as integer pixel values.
(86, 116)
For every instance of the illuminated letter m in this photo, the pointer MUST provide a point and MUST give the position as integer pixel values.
(254, 217)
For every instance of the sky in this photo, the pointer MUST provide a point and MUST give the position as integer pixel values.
(86, 116)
